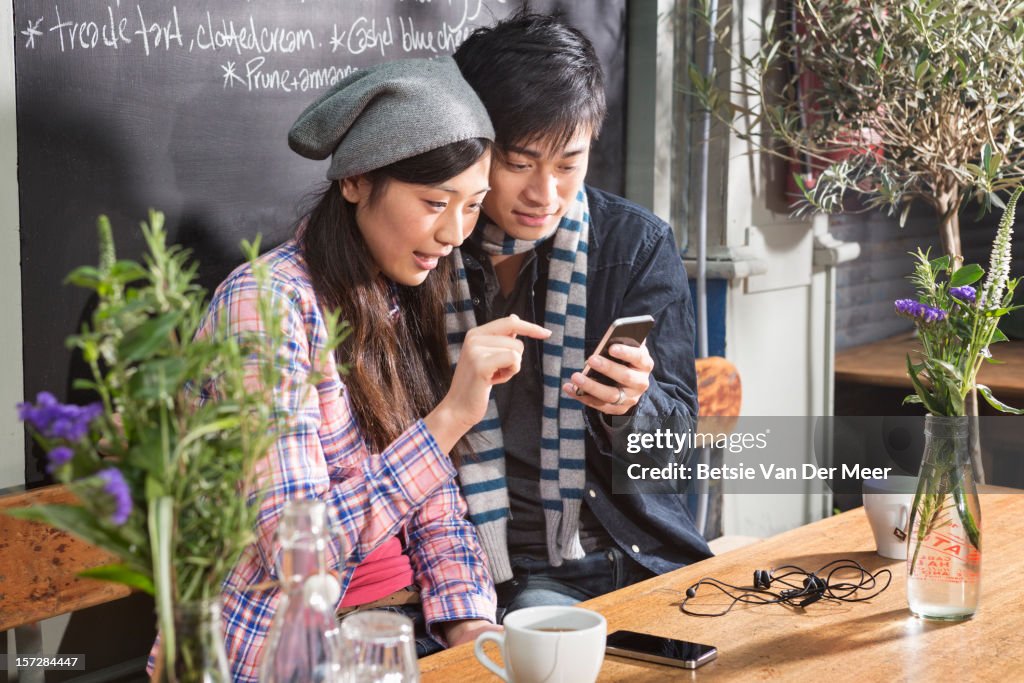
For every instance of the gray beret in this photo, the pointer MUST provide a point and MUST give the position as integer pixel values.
(387, 113)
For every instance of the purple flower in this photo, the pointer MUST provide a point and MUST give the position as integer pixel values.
(63, 428)
(115, 486)
(965, 294)
(933, 315)
(907, 307)
(919, 312)
(55, 420)
(57, 458)
(39, 415)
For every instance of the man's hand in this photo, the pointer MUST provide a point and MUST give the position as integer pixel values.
(633, 375)
(466, 630)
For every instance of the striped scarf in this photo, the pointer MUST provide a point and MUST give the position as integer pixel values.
(562, 464)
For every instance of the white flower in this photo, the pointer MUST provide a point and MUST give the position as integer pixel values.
(999, 261)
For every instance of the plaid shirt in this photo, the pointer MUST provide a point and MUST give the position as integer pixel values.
(408, 488)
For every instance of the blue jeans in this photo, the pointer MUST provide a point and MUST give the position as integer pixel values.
(535, 582)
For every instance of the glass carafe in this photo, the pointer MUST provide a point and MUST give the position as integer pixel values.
(303, 645)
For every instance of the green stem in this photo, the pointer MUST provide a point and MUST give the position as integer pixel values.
(942, 477)
(930, 509)
(966, 516)
(161, 511)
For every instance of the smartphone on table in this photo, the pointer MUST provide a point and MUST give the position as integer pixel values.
(650, 648)
(630, 331)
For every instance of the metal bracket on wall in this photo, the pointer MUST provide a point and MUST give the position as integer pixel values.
(829, 251)
(730, 263)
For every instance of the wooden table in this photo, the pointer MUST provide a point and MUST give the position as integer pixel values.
(877, 640)
(39, 565)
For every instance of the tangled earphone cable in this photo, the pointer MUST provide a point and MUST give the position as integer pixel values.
(802, 587)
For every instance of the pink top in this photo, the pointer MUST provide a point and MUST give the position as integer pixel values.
(381, 573)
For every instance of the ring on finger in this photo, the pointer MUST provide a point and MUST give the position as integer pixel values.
(622, 397)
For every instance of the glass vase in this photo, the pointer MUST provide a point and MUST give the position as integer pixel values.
(199, 654)
(944, 544)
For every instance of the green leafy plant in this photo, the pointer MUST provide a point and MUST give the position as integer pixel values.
(163, 464)
(895, 102)
(958, 323)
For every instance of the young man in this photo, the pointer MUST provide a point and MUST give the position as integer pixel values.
(573, 259)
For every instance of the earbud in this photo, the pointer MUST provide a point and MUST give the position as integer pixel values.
(815, 584)
(812, 589)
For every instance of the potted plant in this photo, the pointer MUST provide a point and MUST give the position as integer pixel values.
(164, 478)
(897, 103)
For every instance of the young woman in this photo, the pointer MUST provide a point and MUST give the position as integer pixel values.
(410, 148)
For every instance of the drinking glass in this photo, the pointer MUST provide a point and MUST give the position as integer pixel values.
(379, 648)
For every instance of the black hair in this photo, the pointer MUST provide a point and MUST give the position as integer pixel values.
(386, 383)
(538, 77)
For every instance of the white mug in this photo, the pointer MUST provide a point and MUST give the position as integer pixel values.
(551, 644)
(887, 503)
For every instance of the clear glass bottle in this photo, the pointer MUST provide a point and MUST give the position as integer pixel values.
(304, 645)
(944, 543)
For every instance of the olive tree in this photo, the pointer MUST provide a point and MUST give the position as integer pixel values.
(894, 101)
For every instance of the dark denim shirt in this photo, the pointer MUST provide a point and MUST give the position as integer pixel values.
(633, 268)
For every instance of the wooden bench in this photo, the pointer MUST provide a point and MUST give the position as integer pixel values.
(873, 377)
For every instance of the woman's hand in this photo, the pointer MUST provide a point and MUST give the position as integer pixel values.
(491, 354)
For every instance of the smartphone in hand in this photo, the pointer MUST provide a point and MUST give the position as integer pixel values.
(630, 331)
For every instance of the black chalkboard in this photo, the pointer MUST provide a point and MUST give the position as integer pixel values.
(184, 106)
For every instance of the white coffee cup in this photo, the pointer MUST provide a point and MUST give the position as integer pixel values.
(552, 644)
(887, 503)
